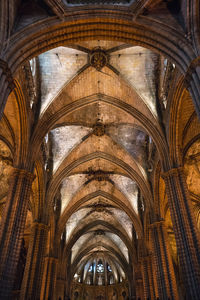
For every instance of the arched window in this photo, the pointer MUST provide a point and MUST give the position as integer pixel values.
(90, 269)
(33, 66)
(109, 268)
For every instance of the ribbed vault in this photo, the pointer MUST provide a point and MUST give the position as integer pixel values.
(98, 109)
(99, 149)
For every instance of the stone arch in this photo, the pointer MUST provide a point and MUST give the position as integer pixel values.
(91, 225)
(117, 201)
(20, 128)
(141, 33)
(67, 169)
(154, 132)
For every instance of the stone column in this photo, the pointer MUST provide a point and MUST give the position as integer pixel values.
(68, 275)
(187, 237)
(145, 277)
(6, 84)
(31, 284)
(12, 228)
(166, 280)
(139, 288)
(49, 278)
(152, 279)
(149, 282)
(192, 83)
(60, 288)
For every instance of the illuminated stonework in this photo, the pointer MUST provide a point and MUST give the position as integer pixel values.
(98, 59)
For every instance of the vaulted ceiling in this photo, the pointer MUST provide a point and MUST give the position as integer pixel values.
(98, 99)
(100, 149)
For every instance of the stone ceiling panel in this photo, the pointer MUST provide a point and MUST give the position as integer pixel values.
(74, 221)
(124, 219)
(79, 244)
(116, 239)
(132, 139)
(105, 82)
(128, 187)
(70, 186)
(65, 138)
(99, 111)
(103, 145)
(99, 191)
(57, 67)
(138, 65)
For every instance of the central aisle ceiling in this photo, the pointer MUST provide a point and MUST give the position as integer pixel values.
(94, 96)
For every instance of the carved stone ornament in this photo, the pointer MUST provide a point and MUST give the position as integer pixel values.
(99, 129)
(98, 59)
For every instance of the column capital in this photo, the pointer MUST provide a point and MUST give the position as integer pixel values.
(191, 70)
(7, 72)
(4, 66)
(51, 258)
(173, 172)
(139, 280)
(157, 224)
(40, 225)
(146, 257)
(22, 173)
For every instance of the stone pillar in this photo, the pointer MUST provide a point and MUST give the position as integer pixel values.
(12, 228)
(68, 275)
(150, 290)
(49, 278)
(192, 83)
(139, 288)
(60, 288)
(31, 284)
(152, 279)
(166, 280)
(187, 237)
(145, 277)
(6, 84)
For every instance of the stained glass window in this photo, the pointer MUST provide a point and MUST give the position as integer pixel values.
(109, 268)
(100, 268)
(90, 269)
